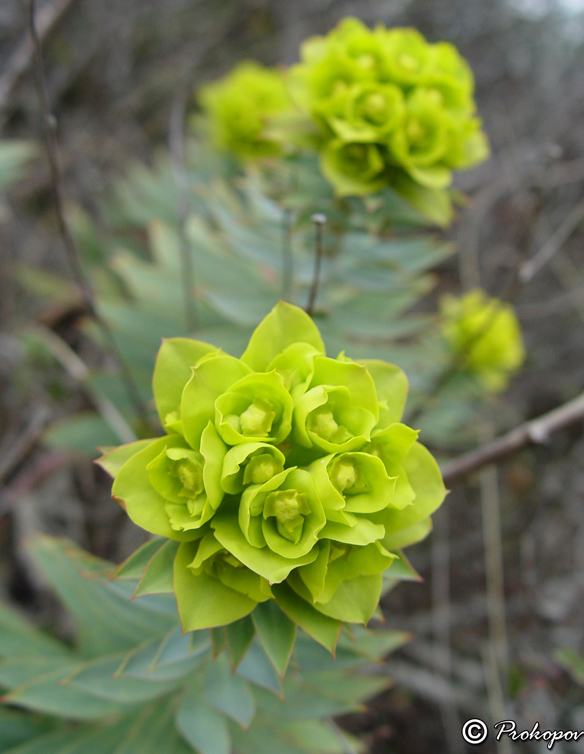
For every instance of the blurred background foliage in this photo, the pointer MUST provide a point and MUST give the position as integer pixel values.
(142, 194)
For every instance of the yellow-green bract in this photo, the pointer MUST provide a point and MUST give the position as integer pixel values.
(285, 474)
(486, 334)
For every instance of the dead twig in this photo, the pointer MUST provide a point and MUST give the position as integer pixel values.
(14, 450)
(22, 57)
(553, 244)
(534, 432)
(69, 244)
(77, 369)
(494, 571)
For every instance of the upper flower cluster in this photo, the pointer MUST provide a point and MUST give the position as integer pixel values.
(486, 334)
(285, 474)
(377, 101)
(386, 98)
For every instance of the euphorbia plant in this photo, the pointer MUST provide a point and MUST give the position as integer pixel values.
(284, 475)
(380, 108)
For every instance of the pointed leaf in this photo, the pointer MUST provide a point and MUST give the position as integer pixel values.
(218, 640)
(106, 620)
(19, 637)
(323, 629)
(276, 633)
(229, 693)
(258, 668)
(134, 566)
(97, 678)
(153, 732)
(158, 576)
(239, 638)
(45, 693)
(402, 569)
(201, 724)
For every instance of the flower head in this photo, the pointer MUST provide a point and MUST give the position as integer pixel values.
(486, 334)
(386, 100)
(239, 106)
(282, 474)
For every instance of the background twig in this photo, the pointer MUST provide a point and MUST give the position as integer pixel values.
(70, 247)
(22, 58)
(533, 432)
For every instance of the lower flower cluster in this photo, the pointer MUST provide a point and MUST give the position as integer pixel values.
(284, 475)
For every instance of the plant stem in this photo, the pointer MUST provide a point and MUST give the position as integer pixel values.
(287, 256)
(319, 221)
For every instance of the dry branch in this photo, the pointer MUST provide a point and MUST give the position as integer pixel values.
(69, 245)
(22, 58)
(534, 432)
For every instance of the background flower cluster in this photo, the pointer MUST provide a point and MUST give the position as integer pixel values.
(374, 104)
(284, 475)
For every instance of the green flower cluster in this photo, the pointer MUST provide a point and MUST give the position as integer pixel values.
(486, 334)
(387, 99)
(239, 106)
(284, 475)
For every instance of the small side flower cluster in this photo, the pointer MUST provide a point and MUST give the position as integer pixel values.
(486, 334)
(240, 106)
(284, 475)
(375, 104)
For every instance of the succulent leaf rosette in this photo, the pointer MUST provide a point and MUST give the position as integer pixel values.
(284, 475)
(486, 334)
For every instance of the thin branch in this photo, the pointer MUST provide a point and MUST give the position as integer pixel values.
(22, 57)
(553, 244)
(319, 223)
(441, 623)
(534, 432)
(77, 369)
(494, 569)
(71, 251)
(14, 449)
(495, 696)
